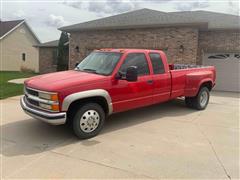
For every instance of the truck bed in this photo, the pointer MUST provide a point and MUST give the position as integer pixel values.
(185, 66)
(186, 79)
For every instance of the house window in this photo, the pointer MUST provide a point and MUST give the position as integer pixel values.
(23, 56)
(219, 56)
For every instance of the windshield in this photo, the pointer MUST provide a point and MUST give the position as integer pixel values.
(99, 62)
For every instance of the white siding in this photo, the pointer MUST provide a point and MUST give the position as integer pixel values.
(14, 45)
(227, 69)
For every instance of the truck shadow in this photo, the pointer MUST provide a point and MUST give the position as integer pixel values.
(27, 137)
(173, 108)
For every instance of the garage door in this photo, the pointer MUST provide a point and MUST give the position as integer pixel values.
(227, 66)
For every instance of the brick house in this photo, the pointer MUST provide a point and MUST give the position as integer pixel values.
(48, 56)
(193, 37)
(48, 52)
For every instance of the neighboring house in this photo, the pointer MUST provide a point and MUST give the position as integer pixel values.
(48, 56)
(196, 37)
(17, 51)
(48, 53)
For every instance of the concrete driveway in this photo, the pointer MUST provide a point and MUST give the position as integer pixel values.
(161, 141)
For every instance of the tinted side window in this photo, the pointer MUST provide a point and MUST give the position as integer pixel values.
(158, 67)
(136, 59)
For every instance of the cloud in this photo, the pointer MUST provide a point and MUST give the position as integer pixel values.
(19, 14)
(55, 21)
(188, 6)
(107, 6)
(233, 7)
(112, 7)
(119, 6)
(96, 6)
(77, 4)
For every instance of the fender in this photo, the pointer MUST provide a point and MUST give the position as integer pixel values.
(201, 82)
(204, 81)
(195, 80)
(86, 94)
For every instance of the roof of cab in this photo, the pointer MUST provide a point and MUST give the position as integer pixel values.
(124, 50)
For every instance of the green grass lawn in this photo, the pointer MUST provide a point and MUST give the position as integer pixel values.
(11, 89)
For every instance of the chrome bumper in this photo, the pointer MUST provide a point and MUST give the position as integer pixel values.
(51, 118)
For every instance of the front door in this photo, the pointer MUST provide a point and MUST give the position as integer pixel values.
(129, 95)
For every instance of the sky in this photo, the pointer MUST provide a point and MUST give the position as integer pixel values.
(45, 17)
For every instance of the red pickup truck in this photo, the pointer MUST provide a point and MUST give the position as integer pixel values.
(110, 81)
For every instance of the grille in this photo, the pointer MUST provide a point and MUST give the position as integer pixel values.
(32, 92)
(30, 101)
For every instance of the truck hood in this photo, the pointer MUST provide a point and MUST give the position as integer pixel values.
(65, 79)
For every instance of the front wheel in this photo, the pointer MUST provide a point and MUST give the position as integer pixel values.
(88, 121)
(200, 101)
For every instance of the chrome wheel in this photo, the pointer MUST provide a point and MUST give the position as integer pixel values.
(89, 121)
(203, 98)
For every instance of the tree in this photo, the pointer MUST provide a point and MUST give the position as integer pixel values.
(62, 58)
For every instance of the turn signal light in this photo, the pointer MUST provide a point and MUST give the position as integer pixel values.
(54, 97)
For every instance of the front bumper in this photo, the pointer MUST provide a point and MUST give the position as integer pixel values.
(51, 118)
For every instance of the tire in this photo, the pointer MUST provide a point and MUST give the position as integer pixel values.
(188, 101)
(200, 101)
(88, 120)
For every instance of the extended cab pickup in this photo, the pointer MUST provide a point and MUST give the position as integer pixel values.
(110, 81)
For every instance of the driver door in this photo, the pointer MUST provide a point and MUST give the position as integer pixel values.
(129, 95)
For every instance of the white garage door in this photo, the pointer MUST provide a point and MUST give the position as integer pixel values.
(228, 67)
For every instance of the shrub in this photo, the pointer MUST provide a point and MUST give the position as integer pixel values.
(26, 69)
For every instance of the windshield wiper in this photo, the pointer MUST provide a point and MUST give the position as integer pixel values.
(91, 70)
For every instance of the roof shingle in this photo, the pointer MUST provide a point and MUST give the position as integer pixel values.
(151, 18)
(48, 44)
(215, 20)
(6, 26)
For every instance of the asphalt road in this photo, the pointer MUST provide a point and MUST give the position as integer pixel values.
(162, 141)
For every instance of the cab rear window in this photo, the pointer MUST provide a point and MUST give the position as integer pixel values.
(158, 67)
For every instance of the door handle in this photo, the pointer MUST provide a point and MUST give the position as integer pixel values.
(149, 81)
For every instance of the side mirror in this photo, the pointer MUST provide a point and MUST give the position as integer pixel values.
(132, 74)
(77, 63)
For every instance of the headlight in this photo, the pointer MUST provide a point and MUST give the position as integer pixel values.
(53, 107)
(51, 103)
(45, 106)
(52, 97)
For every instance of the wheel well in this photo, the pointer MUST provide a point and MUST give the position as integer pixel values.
(207, 84)
(74, 106)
